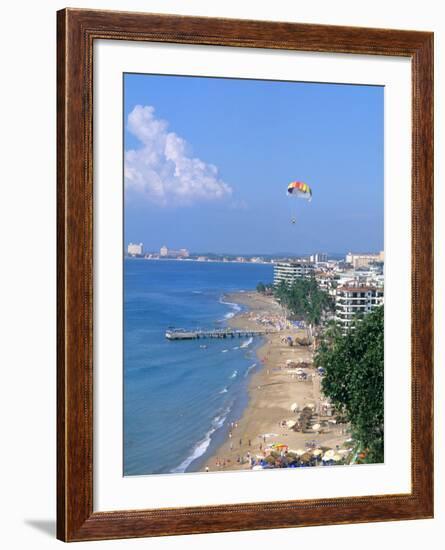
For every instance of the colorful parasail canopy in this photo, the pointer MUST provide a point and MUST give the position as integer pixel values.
(299, 190)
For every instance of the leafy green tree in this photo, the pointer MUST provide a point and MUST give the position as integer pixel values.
(260, 287)
(354, 366)
(331, 334)
(280, 292)
(304, 299)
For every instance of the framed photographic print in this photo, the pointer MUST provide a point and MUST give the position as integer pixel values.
(245, 228)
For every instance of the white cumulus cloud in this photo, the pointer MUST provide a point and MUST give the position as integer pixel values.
(162, 168)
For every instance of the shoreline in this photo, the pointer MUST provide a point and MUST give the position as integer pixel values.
(274, 388)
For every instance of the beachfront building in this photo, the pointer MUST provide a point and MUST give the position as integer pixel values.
(364, 260)
(353, 299)
(135, 249)
(290, 271)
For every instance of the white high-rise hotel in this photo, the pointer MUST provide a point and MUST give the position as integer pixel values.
(290, 271)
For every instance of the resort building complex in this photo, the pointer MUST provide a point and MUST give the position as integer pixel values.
(356, 286)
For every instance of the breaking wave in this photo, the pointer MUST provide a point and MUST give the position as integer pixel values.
(202, 446)
(246, 374)
(246, 343)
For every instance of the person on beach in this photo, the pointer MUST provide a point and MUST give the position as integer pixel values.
(240, 442)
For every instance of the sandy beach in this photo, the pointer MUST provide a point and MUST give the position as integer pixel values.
(275, 391)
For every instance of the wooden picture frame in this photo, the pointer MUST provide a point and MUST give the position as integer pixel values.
(77, 31)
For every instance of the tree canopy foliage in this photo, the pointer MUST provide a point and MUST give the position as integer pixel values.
(261, 287)
(304, 299)
(354, 379)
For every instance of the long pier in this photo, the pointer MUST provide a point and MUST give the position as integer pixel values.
(180, 334)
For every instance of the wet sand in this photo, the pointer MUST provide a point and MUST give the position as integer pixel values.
(273, 389)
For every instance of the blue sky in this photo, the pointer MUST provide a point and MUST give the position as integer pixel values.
(208, 161)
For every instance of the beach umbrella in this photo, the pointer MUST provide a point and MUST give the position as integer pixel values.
(328, 455)
(300, 452)
(317, 452)
(336, 457)
(294, 407)
(280, 446)
(290, 423)
(306, 457)
(316, 427)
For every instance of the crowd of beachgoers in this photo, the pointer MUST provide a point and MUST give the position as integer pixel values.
(288, 422)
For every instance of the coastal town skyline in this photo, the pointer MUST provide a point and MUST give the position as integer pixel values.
(138, 250)
(188, 179)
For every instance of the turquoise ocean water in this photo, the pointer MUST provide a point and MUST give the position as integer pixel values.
(179, 398)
